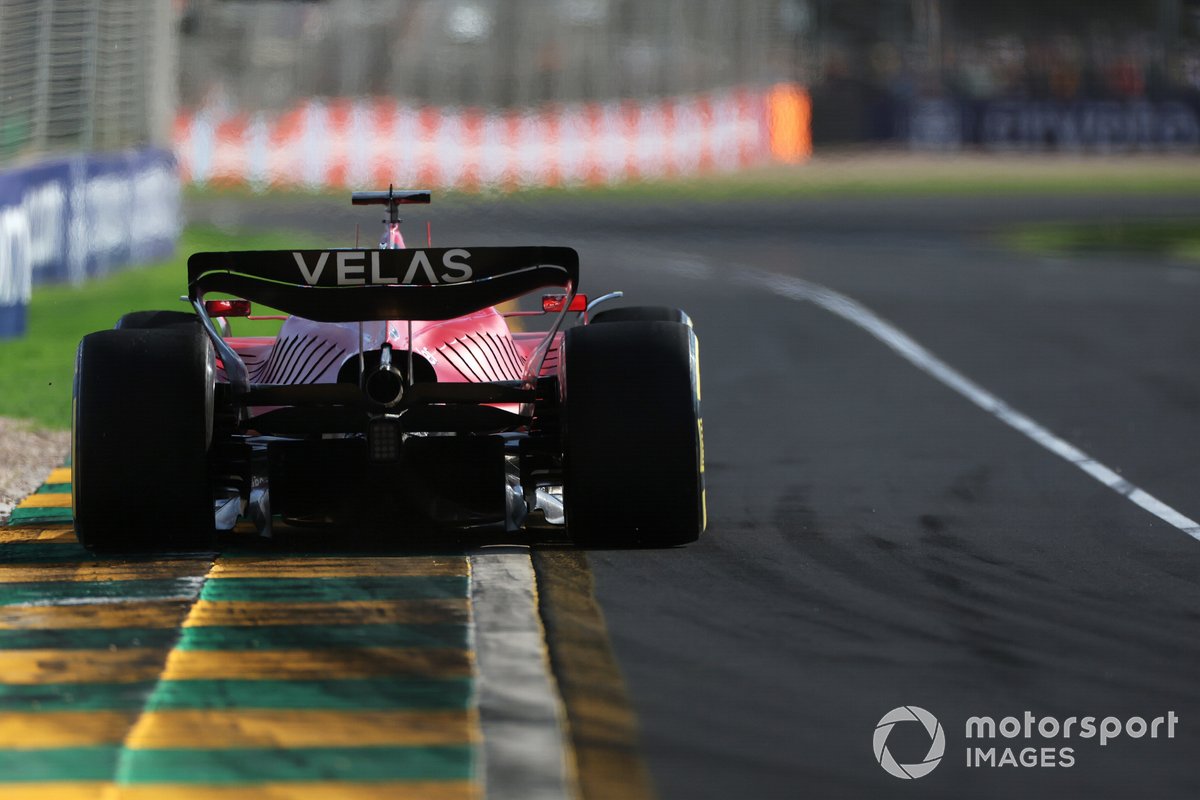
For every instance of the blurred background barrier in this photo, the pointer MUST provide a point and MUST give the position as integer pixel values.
(87, 98)
(493, 54)
(1067, 75)
(1104, 126)
(85, 75)
(357, 142)
(71, 218)
(479, 94)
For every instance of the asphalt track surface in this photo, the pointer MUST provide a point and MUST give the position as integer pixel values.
(875, 540)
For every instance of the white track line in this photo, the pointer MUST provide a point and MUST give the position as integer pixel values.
(908, 349)
(525, 755)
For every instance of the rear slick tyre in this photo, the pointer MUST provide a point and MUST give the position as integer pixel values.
(174, 320)
(641, 314)
(141, 431)
(633, 437)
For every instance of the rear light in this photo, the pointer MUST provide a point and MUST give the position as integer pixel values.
(227, 308)
(383, 440)
(552, 303)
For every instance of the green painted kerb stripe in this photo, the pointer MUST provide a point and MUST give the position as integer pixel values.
(443, 763)
(63, 764)
(54, 488)
(74, 697)
(86, 638)
(333, 590)
(42, 552)
(59, 591)
(383, 694)
(33, 516)
(316, 637)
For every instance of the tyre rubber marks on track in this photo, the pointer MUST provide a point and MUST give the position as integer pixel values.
(908, 349)
(603, 727)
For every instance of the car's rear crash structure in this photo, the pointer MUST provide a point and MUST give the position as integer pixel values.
(396, 398)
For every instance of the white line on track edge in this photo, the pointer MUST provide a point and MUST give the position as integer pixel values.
(908, 349)
(525, 755)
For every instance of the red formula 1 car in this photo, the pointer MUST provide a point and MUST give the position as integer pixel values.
(396, 398)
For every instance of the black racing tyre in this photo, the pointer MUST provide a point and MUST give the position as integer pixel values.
(641, 314)
(158, 319)
(633, 442)
(140, 436)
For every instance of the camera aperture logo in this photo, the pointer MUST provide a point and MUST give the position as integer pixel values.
(937, 742)
(1027, 740)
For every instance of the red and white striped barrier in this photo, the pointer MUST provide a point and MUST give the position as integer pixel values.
(341, 143)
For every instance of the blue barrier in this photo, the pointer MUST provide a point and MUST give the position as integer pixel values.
(1103, 126)
(78, 217)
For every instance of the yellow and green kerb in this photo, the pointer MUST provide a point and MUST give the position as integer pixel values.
(248, 676)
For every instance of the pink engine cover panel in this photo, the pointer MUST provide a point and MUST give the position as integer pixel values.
(475, 348)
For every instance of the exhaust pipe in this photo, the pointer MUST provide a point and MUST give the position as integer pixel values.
(383, 384)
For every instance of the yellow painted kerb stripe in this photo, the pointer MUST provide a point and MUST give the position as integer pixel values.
(367, 612)
(221, 729)
(360, 662)
(56, 790)
(35, 667)
(59, 535)
(151, 570)
(46, 501)
(338, 567)
(60, 475)
(381, 790)
(134, 614)
(49, 729)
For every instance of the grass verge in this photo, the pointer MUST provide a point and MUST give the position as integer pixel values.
(36, 371)
(1174, 239)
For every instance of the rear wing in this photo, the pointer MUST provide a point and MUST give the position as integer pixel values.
(391, 197)
(357, 285)
(361, 285)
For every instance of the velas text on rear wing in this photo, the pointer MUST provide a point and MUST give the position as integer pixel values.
(359, 268)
